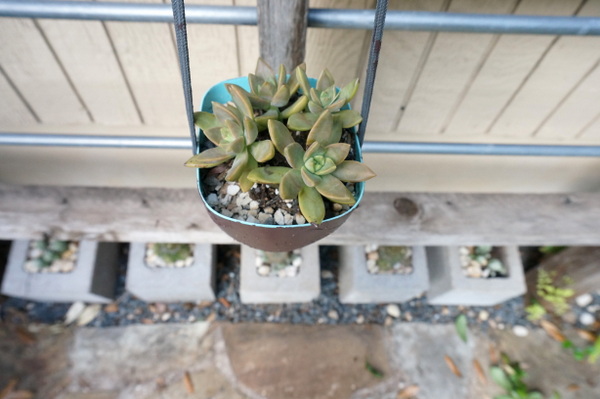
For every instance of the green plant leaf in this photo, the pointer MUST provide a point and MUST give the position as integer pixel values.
(280, 135)
(322, 131)
(315, 107)
(294, 155)
(500, 378)
(254, 82)
(461, 326)
(327, 97)
(334, 190)
(281, 76)
(292, 82)
(240, 99)
(310, 179)
(245, 183)
(353, 172)
(302, 121)
(250, 130)
(291, 184)
(375, 372)
(268, 174)
(236, 146)
(214, 135)
(349, 91)
(238, 166)
(337, 152)
(311, 205)
(348, 118)
(281, 97)
(209, 158)
(264, 70)
(205, 120)
(263, 120)
(303, 80)
(325, 80)
(258, 102)
(295, 108)
(314, 149)
(262, 150)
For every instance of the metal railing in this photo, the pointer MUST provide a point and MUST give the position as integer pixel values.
(317, 18)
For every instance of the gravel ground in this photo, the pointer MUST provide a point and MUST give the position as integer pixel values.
(324, 310)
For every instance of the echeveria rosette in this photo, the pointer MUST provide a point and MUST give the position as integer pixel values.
(325, 96)
(315, 173)
(233, 141)
(271, 93)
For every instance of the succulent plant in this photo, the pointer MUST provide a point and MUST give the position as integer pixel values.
(232, 140)
(325, 97)
(315, 173)
(51, 250)
(171, 253)
(312, 165)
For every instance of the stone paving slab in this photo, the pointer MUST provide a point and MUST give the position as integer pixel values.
(270, 361)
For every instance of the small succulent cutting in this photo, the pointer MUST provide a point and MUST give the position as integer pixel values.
(287, 134)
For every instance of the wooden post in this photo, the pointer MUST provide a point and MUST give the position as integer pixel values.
(282, 31)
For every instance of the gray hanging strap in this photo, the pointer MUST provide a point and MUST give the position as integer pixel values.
(380, 11)
(184, 65)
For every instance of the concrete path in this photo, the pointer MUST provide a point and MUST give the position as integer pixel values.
(269, 361)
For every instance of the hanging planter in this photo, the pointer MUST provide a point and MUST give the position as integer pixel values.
(280, 166)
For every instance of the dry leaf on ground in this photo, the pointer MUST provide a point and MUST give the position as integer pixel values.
(24, 336)
(409, 392)
(452, 366)
(586, 335)
(479, 371)
(573, 387)
(89, 313)
(8, 388)
(224, 302)
(187, 380)
(494, 359)
(111, 308)
(552, 331)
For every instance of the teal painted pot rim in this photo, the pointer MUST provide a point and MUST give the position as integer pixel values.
(219, 93)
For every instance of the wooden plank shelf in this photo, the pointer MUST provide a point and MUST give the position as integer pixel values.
(177, 215)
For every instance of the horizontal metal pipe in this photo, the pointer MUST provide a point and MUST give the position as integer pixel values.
(317, 18)
(376, 147)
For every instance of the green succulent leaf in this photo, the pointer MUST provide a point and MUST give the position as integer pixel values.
(303, 121)
(353, 172)
(336, 105)
(327, 97)
(337, 152)
(236, 146)
(250, 130)
(280, 135)
(500, 378)
(292, 82)
(348, 118)
(245, 183)
(214, 135)
(258, 102)
(238, 166)
(311, 205)
(268, 174)
(322, 131)
(254, 82)
(461, 325)
(291, 184)
(264, 70)
(281, 97)
(267, 90)
(315, 108)
(263, 120)
(209, 158)
(349, 91)
(320, 165)
(333, 189)
(263, 150)
(294, 155)
(205, 120)
(314, 149)
(303, 80)
(224, 113)
(240, 99)
(295, 108)
(325, 80)
(282, 76)
(310, 179)
(235, 129)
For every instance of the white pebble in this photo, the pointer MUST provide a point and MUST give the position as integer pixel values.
(253, 204)
(165, 316)
(212, 199)
(288, 219)
(263, 270)
(291, 271)
(279, 218)
(297, 261)
(226, 213)
(587, 319)
(265, 218)
(326, 274)
(337, 207)
(393, 310)
(299, 219)
(233, 189)
(333, 314)
(584, 300)
(520, 331)
(360, 319)
(484, 315)
(269, 210)
(251, 219)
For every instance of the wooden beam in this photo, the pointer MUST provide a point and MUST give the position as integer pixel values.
(282, 31)
(177, 215)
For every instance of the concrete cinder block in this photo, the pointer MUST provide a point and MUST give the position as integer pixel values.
(93, 279)
(449, 286)
(357, 285)
(304, 287)
(194, 283)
